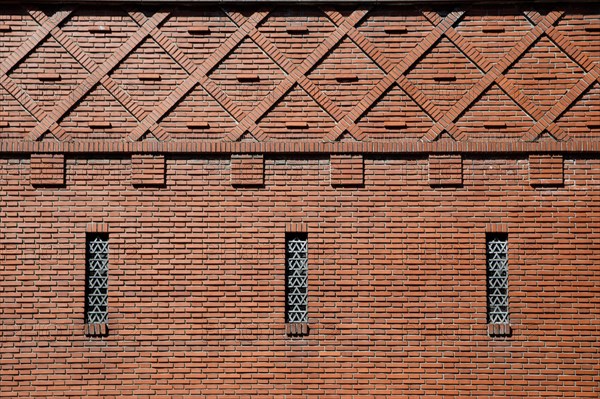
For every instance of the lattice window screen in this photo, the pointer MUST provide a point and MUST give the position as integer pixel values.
(296, 278)
(497, 278)
(96, 309)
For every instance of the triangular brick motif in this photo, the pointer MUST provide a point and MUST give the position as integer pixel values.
(247, 137)
(494, 116)
(582, 120)
(346, 137)
(530, 74)
(346, 74)
(148, 75)
(198, 117)
(15, 122)
(395, 116)
(494, 32)
(296, 117)
(297, 30)
(247, 76)
(444, 75)
(148, 136)
(185, 26)
(22, 27)
(444, 136)
(47, 137)
(111, 27)
(48, 74)
(582, 32)
(545, 137)
(395, 32)
(85, 121)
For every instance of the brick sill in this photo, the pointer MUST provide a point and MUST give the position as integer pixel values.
(297, 329)
(96, 330)
(499, 330)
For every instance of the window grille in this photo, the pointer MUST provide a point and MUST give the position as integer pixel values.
(497, 278)
(96, 309)
(296, 278)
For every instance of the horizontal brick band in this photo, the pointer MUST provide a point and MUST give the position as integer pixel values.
(220, 147)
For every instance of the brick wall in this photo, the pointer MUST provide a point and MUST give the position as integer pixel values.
(396, 137)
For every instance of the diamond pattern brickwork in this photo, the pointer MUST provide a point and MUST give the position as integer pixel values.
(361, 73)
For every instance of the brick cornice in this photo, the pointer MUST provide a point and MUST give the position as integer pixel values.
(325, 148)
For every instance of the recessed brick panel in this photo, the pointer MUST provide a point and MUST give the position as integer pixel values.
(347, 170)
(445, 170)
(47, 170)
(546, 170)
(148, 170)
(247, 170)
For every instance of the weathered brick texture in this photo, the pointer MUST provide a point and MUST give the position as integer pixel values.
(148, 170)
(396, 136)
(445, 170)
(247, 170)
(347, 170)
(546, 170)
(47, 170)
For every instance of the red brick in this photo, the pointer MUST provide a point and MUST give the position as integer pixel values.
(445, 170)
(247, 170)
(47, 170)
(546, 170)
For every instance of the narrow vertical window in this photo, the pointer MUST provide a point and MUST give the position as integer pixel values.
(497, 278)
(296, 278)
(96, 290)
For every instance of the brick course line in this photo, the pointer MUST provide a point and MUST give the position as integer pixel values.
(592, 148)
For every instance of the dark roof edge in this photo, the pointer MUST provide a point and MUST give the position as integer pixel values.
(398, 2)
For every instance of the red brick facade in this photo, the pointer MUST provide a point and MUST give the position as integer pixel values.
(396, 137)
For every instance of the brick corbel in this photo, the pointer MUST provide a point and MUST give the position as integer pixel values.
(445, 170)
(499, 330)
(95, 329)
(297, 329)
(247, 170)
(546, 170)
(148, 170)
(47, 170)
(347, 170)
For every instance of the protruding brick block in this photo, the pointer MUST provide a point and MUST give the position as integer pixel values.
(96, 330)
(499, 330)
(546, 170)
(297, 329)
(148, 170)
(347, 170)
(47, 170)
(445, 170)
(247, 169)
